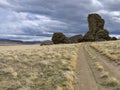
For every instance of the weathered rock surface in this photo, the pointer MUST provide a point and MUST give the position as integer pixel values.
(102, 35)
(113, 38)
(96, 29)
(46, 43)
(59, 37)
(76, 38)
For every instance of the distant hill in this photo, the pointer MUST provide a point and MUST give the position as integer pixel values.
(15, 42)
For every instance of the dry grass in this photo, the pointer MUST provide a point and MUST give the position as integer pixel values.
(104, 74)
(110, 48)
(37, 67)
(98, 66)
(111, 82)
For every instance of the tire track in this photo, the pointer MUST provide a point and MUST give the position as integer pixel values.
(84, 78)
(87, 77)
(108, 65)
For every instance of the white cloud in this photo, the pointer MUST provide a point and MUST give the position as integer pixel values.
(97, 3)
(115, 35)
(115, 13)
(4, 2)
(18, 23)
(110, 13)
(103, 12)
(116, 19)
(24, 37)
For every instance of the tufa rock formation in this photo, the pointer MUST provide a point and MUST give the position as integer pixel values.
(96, 29)
(102, 35)
(46, 43)
(59, 38)
(76, 38)
(113, 38)
(96, 32)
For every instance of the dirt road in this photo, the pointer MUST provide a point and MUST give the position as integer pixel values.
(87, 75)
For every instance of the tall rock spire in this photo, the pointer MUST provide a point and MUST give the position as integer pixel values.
(96, 29)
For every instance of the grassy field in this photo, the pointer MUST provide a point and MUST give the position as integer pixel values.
(110, 48)
(34, 67)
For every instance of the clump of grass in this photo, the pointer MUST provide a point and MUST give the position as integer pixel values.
(98, 66)
(111, 56)
(96, 63)
(104, 74)
(108, 50)
(59, 88)
(111, 82)
(93, 57)
(9, 71)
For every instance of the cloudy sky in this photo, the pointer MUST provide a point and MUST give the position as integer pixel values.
(37, 19)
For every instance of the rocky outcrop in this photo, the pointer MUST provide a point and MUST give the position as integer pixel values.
(76, 38)
(96, 29)
(113, 38)
(46, 43)
(96, 32)
(59, 38)
(102, 35)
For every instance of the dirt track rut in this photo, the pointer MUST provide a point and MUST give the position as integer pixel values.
(87, 78)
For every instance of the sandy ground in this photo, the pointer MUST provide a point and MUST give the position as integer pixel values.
(85, 79)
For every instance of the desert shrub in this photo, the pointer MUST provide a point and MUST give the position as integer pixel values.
(111, 82)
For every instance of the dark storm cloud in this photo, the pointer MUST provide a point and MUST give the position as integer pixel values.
(72, 12)
(57, 9)
(43, 17)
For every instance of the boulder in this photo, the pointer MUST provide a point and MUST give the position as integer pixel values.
(46, 43)
(76, 38)
(59, 38)
(102, 35)
(113, 38)
(88, 37)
